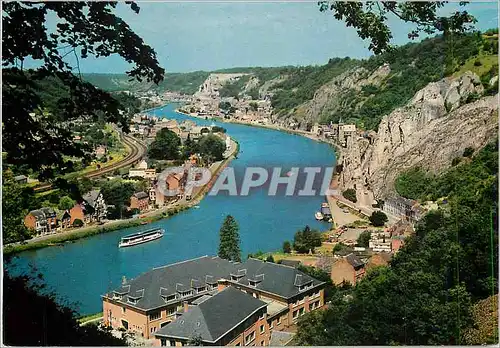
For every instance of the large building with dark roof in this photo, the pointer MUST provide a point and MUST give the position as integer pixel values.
(156, 298)
(230, 317)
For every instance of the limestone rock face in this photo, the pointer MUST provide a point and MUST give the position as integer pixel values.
(424, 133)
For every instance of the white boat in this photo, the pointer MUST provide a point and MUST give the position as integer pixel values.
(141, 237)
(318, 216)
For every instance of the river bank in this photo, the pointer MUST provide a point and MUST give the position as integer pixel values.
(59, 239)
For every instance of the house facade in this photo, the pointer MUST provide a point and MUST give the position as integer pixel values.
(158, 297)
(94, 206)
(42, 221)
(139, 200)
(348, 268)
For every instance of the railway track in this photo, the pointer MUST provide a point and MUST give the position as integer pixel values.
(137, 151)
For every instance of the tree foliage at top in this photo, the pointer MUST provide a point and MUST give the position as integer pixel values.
(378, 218)
(370, 19)
(38, 137)
(229, 240)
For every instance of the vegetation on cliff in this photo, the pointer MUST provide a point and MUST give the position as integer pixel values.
(427, 294)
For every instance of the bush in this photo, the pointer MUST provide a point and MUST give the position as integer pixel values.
(350, 194)
(306, 240)
(455, 161)
(287, 247)
(468, 152)
(270, 258)
(77, 223)
(478, 63)
(364, 238)
(378, 218)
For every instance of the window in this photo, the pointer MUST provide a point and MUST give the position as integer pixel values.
(262, 343)
(124, 309)
(262, 329)
(200, 289)
(165, 323)
(278, 321)
(132, 300)
(172, 343)
(153, 329)
(171, 311)
(163, 342)
(250, 337)
(255, 295)
(295, 314)
(155, 316)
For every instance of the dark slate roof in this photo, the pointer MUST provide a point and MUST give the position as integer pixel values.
(38, 214)
(43, 213)
(291, 263)
(169, 280)
(214, 317)
(91, 197)
(49, 212)
(354, 260)
(141, 195)
(277, 279)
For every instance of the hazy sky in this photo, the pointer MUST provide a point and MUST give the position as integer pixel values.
(213, 35)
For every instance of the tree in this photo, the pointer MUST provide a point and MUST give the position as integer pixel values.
(117, 192)
(253, 106)
(287, 248)
(270, 258)
(77, 223)
(165, 146)
(212, 147)
(371, 19)
(306, 240)
(364, 239)
(229, 240)
(66, 203)
(17, 201)
(41, 138)
(29, 307)
(378, 218)
(350, 194)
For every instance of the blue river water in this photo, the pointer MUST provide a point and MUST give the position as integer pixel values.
(78, 273)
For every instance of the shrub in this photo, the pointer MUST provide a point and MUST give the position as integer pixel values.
(468, 152)
(270, 258)
(78, 223)
(455, 161)
(287, 247)
(364, 238)
(478, 63)
(378, 218)
(350, 194)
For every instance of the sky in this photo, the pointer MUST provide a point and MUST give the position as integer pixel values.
(190, 36)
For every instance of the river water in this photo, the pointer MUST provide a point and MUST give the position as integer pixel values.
(78, 273)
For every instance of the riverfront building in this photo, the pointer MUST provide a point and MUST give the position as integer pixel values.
(154, 299)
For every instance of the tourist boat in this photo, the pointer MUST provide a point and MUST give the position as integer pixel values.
(141, 237)
(318, 216)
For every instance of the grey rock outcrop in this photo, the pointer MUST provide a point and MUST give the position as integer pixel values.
(426, 133)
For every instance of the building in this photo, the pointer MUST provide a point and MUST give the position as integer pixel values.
(230, 317)
(378, 259)
(94, 207)
(139, 200)
(42, 221)
(345, 131)
(158, 297)
(21, 179)
(406, 209)
(348, 268)
(380, 242)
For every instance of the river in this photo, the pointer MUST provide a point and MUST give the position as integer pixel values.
(78, 273)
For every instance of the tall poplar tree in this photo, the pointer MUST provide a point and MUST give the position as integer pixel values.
(229, 240)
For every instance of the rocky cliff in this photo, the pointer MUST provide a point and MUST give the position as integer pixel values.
(436, 126)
